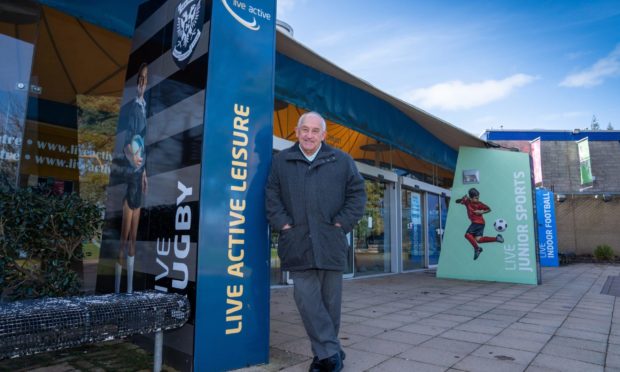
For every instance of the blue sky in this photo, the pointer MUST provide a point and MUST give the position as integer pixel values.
(477, 64)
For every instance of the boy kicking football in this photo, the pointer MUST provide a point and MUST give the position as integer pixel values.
(475, 232)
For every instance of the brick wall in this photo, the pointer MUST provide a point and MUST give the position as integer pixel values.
(560, 165)
(583, 222)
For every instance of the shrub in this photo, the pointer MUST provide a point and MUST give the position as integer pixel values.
(40, 237)
(604, 253)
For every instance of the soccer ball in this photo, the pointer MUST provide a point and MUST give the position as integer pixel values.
(137, 149)
(500, 224)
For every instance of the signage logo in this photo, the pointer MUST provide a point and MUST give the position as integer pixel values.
(188, 20)
(253, 11)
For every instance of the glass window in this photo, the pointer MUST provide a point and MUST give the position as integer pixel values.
(74, 95)
(413, 247)
(372, 233)
(434, 231)
(18, 28)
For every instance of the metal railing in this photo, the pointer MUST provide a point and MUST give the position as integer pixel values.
(34, 326)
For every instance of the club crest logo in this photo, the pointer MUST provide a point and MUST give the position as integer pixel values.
(188, 20)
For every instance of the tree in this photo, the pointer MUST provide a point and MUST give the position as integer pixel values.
(594, 125)
(609, 126)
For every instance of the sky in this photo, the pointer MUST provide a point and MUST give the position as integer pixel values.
(477, 65)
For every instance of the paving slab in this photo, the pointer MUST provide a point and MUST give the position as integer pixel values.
(565, 365)
(502, 353)
(410, 338)
(600, 347)
(573, 353)
(442, 358)
(378, 346)
(397, 364)
(455, 346)
(475, 363)
(416, 322)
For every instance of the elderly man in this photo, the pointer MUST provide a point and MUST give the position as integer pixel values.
(314, 197)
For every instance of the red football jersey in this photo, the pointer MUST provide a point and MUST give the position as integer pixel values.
(474, 206)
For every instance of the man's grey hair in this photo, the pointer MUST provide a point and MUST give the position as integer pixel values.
(315, 114)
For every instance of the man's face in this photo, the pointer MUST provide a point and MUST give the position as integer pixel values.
(310, 134)
(142, 81)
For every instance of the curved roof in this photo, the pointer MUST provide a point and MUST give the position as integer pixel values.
(447, 133)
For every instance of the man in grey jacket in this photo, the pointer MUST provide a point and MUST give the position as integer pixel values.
(314, 197)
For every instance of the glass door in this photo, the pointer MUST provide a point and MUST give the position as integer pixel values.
(371, 253)
(434, 230)
(413, 245)
(445, 201)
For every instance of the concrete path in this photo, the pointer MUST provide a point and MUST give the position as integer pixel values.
(416, 322)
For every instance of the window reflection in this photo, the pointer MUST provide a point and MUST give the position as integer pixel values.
(413, 244)
(371, 235)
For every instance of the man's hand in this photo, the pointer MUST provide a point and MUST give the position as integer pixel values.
(145, 184)
(286, 227)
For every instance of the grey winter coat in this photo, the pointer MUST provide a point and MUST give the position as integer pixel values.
(312, 198)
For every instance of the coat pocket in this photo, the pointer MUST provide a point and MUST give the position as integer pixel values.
(292, 247)
(334, 246)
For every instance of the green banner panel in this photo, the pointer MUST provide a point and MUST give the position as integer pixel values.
(490, 237)
(585, 168)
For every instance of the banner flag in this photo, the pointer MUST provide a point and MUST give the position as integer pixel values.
(585, 168)
(536, 160)
(547, 232)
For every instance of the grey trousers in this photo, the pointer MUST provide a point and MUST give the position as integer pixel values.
(318, 295)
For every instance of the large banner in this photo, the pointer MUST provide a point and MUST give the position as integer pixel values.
(232, 310)
(536, 160)
(490, 228)
(185, 203)
(585, 168)
(547, 232)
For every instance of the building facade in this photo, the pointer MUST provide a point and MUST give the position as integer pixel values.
(61, 87)
(587, 188)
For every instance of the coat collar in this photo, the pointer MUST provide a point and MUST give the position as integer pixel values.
(294, 153)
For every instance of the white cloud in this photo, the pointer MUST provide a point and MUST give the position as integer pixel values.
(386, 52)
(456, 95)
(595, 75)
(331, 39)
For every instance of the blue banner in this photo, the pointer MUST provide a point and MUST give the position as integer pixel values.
(547, 233)
(232, 304)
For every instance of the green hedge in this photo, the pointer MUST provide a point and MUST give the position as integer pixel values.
(40, 237)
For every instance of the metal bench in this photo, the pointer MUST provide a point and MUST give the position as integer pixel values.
(34, 326)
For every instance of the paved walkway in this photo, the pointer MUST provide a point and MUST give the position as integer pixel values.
(416, 322)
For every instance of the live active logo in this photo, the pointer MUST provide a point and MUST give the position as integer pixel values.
(249, 11)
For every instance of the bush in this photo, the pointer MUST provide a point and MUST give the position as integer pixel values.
(604, 253)
(40, 237)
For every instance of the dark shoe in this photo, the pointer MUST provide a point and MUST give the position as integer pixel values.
(499, 238)
(316, 365)
(343, 356)
(333, 363)
(477, 252)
